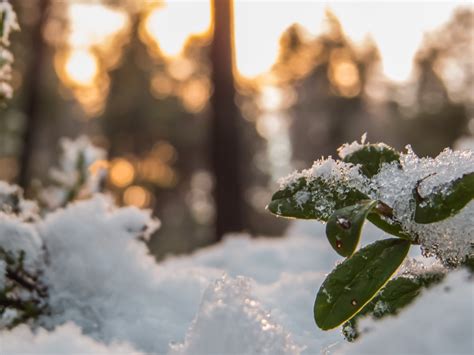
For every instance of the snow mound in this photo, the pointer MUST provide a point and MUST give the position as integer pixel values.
(103, 279)
(230, 321)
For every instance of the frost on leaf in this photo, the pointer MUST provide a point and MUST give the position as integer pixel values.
(425, 200)
(450, 239)
(318, 192)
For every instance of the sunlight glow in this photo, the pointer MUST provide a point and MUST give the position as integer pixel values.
(397, 29)
(121, 173)
(82, 67)
(137, 196)
(92, 45)
(172, 23)
(93, 24)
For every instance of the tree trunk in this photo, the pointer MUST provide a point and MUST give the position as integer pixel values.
(32, 95)
(225, 126)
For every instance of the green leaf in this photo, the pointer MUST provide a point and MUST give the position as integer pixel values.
(314, 199)
(388, 225)
(354, 282)
(371, 157)
(445, 201)
(345, 225)
(396, 294)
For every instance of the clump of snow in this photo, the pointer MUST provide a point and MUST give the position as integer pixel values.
(349, 148)
(231, 320)
(9, 23)
(65, 339)
(13, 203)
(464, 143)
(415, 267)
(438, 322)
(17, 236)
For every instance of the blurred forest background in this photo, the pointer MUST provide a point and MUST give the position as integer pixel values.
(199, 127)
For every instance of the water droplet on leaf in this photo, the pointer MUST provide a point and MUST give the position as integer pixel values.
(344, 223)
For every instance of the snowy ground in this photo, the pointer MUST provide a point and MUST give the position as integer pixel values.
(243, 296)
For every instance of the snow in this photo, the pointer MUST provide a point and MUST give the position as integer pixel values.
(242, 296)
(349, 148)
(107, 294)
(6, 58)
(97, 269)
(66, 339)
(16, 236)
(82, 168)
(230, 313)
(440, 321)
(10, 22)
(449, 239)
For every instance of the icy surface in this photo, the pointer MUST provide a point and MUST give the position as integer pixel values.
(438, 322)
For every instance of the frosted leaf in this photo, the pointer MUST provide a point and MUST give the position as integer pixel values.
(317, 192)
(381, 308)
(450, 239)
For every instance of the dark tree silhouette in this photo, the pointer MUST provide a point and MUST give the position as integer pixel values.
(225, 133)
(32, 94)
